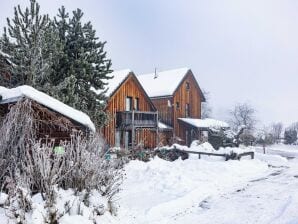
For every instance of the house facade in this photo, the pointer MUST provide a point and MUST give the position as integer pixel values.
(175, 94)
(133, 118)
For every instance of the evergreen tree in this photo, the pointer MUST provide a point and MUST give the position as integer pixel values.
(29, 42)
(290, 136)
(83, 66)
(63, 58)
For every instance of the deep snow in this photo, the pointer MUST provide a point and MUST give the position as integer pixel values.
(207, 190)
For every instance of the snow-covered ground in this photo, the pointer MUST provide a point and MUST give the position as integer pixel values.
(263, 190)
(207, 190)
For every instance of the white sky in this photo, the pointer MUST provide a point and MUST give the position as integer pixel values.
(240, 51)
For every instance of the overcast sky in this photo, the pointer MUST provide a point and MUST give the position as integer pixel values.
(240, 51)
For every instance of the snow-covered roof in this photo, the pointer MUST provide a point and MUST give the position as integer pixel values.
(162, 83)
(163, 126)
(115, 82)
(205, 123)
(48, 101)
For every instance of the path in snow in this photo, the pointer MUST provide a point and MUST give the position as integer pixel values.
(273, 199)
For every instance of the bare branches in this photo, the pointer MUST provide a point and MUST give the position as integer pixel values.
(34, 165)
(243, 115)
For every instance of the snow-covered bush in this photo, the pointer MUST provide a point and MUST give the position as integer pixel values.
(171, 154)
(30, 165)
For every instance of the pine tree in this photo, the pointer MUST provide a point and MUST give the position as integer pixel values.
(29, 42)
(63, 58)
(84, 65)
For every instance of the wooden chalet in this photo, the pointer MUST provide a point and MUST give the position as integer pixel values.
(133, 117)
(53, 119)
(175, 94)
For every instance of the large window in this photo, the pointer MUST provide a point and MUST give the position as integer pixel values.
(177, 106)
(187, 110)
(128, 103)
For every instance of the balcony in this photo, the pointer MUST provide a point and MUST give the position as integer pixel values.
(136, 119)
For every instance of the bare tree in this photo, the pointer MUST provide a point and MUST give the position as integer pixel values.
(206, 108)
(276, 130)
(243, 115)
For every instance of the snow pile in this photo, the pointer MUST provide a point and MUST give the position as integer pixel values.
(158, 191)
(48, 101)
(159, 85)
(273, 160)
(74, 208)
(205, 123)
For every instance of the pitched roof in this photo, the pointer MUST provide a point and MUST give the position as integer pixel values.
(205, 123)
(163, 126)
(164, 84)
(117, 79)
(14, 94)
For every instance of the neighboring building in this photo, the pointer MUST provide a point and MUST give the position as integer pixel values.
(133, 117)
(176, 94)
(54, 119)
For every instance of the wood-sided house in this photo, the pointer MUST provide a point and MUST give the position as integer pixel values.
(133, 117)
(52, 118)
(176, 94)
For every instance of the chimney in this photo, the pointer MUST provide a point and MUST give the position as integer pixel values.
(155, 73)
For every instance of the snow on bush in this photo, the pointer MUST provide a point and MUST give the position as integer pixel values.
(33, 167)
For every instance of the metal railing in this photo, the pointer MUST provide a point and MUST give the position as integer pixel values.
(129, 119)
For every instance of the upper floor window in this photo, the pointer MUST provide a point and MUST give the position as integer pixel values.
(128, 103)
(177, 106)
(187, 110)
(136, 104)
(187, 86)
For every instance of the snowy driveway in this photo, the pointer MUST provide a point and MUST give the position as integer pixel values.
(272, 199)
(208, 191)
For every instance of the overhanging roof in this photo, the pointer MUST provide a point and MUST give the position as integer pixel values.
(204, 123)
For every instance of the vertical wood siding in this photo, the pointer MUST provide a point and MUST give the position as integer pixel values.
(116, 103)
(170, 115)
(184, 96)
(165, 111)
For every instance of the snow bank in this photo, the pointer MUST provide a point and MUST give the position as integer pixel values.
(69, 206)
(156, 191)
(273, 160)
(48, 101)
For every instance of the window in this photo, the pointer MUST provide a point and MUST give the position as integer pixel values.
(187, 86)
(187, 110)
(128, 103)
(117, 139)
(136, 104)
(177, 106)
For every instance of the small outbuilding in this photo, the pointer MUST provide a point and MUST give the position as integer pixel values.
(53, 118)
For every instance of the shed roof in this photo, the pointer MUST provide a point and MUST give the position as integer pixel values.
(14, 94)
(205, 123)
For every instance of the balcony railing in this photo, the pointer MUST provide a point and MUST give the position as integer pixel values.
(136, 119)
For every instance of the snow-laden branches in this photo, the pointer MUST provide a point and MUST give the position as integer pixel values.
(34, 165)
